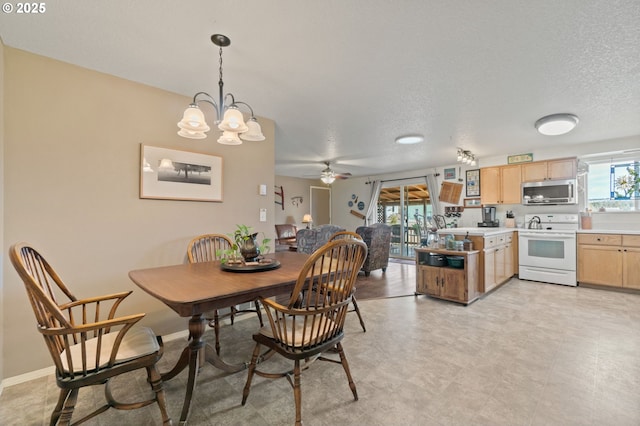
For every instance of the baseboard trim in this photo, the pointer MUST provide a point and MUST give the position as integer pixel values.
(43, 372)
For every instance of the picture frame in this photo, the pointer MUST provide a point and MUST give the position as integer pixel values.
(473, 183)
(472, 203)
(450, 173)
(171, 174)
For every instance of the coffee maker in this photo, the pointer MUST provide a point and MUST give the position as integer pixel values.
(488, 218)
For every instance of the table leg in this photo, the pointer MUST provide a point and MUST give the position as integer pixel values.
(189, 357)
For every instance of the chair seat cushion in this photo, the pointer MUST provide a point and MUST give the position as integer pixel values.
(303, 335)
(138, 342)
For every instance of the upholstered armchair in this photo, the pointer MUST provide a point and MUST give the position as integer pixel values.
(310, 240)
(378, 240)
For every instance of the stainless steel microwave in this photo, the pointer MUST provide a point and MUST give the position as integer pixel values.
(549, 192)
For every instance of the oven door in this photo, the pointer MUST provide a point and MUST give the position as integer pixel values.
(551, 250)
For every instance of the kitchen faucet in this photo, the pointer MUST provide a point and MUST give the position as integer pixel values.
(535, 220)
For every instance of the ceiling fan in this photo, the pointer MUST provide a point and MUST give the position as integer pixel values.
(328, 175)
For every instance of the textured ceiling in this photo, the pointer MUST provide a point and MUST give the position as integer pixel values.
(342, 79)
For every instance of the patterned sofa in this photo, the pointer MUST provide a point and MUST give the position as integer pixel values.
(378, 240)
(309, 240)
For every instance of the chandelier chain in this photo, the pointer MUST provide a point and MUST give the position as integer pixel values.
(220, 64)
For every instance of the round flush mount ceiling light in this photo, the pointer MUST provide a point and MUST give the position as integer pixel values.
(556, 124)
(409, 139)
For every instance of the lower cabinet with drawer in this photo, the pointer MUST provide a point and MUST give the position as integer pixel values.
(609, 259)
(446, 282)
(498, 260)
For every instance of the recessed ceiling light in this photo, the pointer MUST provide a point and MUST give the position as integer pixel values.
(556, 124)
(409, 139)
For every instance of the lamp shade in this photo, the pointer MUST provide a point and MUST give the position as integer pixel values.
(229, 138)
(233, 121)
(254, 134)
(193, 120)
(556, 124)
(307, 218)
(190, 134)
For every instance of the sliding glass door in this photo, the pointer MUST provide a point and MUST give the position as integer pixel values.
(405, 208)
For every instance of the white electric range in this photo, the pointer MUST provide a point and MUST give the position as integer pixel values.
(548, 254)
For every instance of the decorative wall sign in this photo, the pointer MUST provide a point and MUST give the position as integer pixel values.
(471, 203)
(520, 158)
(170, 174)
(450, 173)
(473, 183)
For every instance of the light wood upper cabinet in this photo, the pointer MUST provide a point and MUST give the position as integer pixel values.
(563, 168)
(501, 184)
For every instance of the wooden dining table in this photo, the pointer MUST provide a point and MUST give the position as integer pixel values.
(195, 288)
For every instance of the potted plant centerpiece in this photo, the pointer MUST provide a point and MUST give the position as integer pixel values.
(245, 242)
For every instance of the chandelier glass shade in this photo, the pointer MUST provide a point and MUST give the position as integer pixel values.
(229, 118)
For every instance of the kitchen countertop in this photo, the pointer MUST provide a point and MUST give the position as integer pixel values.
(482, 232)
(487, 232)
(609, 231)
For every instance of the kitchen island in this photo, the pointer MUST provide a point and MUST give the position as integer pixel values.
(498, 255)
(448, 274)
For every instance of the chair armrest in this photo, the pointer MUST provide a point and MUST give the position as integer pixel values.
(92, 306)
(99, 346)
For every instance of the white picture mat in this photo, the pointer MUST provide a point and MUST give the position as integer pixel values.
(209, 171)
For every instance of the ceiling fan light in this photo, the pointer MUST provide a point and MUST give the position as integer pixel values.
(229, 138)
(556, 124)
(328, 179)
(409, 139)
(254, 134)
(233, 121)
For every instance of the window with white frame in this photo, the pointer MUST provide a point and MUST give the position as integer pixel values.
(614, 185)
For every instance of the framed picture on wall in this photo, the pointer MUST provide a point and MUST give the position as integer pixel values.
(473, 183)
(450, 173)
(171, 174)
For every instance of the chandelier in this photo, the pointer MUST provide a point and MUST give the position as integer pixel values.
(466, 157)
(228, 117)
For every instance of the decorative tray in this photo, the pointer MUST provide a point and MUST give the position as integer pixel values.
(262, 265)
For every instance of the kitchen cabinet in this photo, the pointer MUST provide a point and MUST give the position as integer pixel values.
(501, 184)
(444, 282)
(498, 260)
(562, 168)
(609, 259)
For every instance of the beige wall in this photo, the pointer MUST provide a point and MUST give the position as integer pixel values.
(2, 253)
(293, 187)
(72, 139)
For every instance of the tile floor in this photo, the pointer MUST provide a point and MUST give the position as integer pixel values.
(527, 354)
